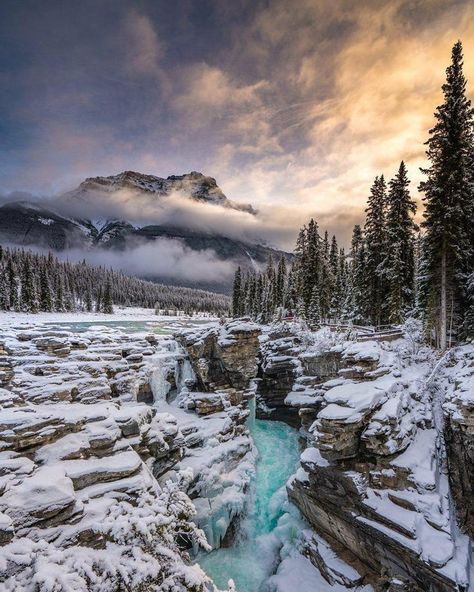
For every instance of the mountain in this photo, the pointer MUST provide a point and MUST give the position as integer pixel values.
(34, 225)
(194, 185)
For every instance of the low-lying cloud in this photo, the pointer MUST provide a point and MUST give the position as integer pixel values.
(275, 226)
(165, 258)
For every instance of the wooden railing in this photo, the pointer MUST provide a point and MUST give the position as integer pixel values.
(365, 332)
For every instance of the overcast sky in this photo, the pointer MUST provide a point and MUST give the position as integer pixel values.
(289, 104)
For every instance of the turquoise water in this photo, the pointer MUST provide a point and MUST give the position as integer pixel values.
(252, 558)
(160, 327)
(126, 326)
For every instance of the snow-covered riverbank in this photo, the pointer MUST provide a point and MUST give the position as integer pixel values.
(120, 313)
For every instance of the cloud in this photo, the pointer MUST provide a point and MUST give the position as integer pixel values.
(292, 106)
(165, 258)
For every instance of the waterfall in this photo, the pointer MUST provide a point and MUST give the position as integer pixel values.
(183, 372)
(171, 360)
(160, 387)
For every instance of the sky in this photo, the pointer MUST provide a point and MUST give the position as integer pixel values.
(292, 105)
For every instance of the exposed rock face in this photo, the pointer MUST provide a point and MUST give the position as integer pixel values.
(279, 367)
(459, 433)
(192, 185)
(6, 369)
(294, 374)
(221, 452)
(224, 356)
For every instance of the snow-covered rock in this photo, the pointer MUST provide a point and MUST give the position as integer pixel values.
(80, 505)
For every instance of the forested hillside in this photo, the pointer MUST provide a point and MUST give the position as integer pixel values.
(32, 282)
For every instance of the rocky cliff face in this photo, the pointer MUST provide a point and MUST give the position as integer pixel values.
(373, 480)
(459, 432)
(193, 185)
(224, 356)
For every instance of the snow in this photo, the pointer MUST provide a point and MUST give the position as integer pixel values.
(120, 313)
(48, 489)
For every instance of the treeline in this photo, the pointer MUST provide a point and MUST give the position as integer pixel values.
(393, 269)
(374, 283)
(33, 282)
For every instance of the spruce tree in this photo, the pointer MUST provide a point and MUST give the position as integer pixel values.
(312, 266)
(107, 303)
(358, 307)
(29, 299)
(314, 312)
(237, 294)
(46, 303)
(399, 261)
(12, 285)
(88, 300)
(375, 238)
(448, 197)
(281, 283)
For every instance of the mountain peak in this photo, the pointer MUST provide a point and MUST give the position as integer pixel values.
(193, 185)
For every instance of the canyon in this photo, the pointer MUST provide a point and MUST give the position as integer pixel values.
(229, 455)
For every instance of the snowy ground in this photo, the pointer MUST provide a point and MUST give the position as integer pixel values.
(126, 313)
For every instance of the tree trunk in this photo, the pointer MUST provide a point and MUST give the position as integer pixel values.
(443, 312)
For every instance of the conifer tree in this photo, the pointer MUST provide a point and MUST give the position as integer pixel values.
(46, 303)
(88, 300)
(237, 294)
(314, 312)
(281, 283)
(311, 270)
(13, 285)
(376, 239)
(29, 299)
(448, 197)
(107, 303)
(358, 306)
(400, 257)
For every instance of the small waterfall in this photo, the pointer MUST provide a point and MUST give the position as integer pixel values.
(160, 387)
(172, 360)
(184, 372)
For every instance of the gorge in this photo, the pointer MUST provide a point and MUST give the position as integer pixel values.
(116, 439)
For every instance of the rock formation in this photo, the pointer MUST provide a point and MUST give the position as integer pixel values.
(79, 462)
(373, 481)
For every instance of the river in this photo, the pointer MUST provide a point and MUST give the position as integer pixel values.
(254, 555)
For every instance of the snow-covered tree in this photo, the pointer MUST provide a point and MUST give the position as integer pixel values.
(376, 247)
(448, 196)
(399, 262)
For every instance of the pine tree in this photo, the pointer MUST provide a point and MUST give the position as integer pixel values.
(88, 300)
(98, 300)
(4, 292)
(281, 283)
(375, 238)
(399, 261)
(59, 293)
(12, 285)
(358, 307)
(312, 266)
(29, 299)
(448, 197)
(237, 294)
(314, 312)
(107, 303)
(46, 303)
